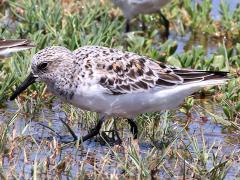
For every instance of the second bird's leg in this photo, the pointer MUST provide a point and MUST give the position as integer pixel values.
(166, 24)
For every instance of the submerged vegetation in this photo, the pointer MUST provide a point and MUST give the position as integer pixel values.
(199, 140)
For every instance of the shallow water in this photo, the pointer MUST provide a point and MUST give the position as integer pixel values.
(94, 151)
(210, 44)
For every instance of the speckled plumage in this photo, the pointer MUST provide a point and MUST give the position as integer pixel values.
(116, 83)
(9, 46)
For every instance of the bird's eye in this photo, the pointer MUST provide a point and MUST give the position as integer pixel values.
(42, 66)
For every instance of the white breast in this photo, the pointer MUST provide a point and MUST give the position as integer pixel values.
(130, 105)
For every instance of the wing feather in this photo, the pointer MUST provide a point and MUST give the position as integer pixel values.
(133, 73)
(120, 72)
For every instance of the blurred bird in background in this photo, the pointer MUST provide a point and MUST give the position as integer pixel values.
(9, 46)
(132, 8)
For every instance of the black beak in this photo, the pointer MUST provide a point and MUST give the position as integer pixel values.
(28, 81)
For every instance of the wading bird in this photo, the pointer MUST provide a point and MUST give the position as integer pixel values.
(114, 82)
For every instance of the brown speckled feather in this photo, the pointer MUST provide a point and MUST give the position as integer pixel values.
(127, 72)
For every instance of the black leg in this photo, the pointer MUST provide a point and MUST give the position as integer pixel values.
(59, 136)
(134, 128)
(94, 131)
(112, 138)
(75, 138)
(166, 24)
(127, 26)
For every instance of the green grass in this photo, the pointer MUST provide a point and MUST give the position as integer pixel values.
(178, 143)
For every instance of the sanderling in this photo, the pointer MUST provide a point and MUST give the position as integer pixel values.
(132, 8)
(113, 82)
(9, 46)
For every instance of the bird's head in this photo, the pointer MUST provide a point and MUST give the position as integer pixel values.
(46, 65)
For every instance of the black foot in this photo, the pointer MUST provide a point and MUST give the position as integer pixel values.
(112, 139)
(115, 138)
(75, 139)
(94, 131)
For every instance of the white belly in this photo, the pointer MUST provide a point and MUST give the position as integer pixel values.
(129, 105)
